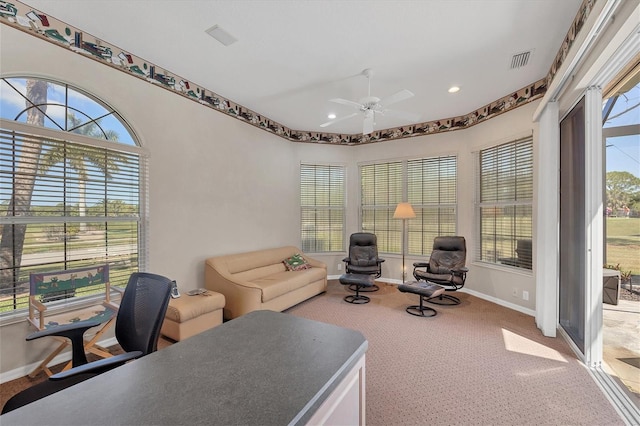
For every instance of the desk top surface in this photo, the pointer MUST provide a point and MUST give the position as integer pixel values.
(262, 368)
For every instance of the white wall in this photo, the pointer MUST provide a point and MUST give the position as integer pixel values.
(218, 185)
(492, 282)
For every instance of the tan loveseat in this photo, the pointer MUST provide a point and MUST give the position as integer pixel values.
(259, 280)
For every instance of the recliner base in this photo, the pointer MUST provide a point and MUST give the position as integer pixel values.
(353, 287)
(452, 300)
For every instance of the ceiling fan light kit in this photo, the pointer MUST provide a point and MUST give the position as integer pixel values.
(369, 106)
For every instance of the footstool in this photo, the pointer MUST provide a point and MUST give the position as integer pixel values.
(425, 289)
(189, 315)
(356, 282)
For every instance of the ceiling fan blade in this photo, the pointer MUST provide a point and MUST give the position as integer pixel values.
(367, 126)
(408, 116)
(396, 97)
(337, 120)
(346, 102)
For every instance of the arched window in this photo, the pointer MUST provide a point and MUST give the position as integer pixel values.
(70, 186)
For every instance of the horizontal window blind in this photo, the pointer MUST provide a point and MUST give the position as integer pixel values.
(432, 191)
(322, 207)
(505, 197)
(64, 205)
(381, 191)
(428, 184)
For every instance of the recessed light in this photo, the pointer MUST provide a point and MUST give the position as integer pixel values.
(221, 35)
(453, 89)
(331, 116)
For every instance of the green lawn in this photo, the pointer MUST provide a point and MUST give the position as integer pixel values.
(623, 243)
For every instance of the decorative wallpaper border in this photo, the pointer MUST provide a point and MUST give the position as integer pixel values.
(29, 20)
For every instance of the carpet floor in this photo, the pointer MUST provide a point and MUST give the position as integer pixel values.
(473, 364)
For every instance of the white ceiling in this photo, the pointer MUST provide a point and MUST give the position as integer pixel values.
(291, 56)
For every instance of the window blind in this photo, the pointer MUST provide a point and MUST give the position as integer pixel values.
(432, 191)
(504, 208)
(322, 207)
(381, 191)
(75, 204)
(428, 184)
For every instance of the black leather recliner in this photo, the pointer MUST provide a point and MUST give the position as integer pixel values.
(446, 267)
(363, 255)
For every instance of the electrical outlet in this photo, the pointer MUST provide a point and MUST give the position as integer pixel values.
(339, 266)
(514, 293)
(525, 295)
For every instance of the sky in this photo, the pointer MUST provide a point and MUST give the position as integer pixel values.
(623, 153)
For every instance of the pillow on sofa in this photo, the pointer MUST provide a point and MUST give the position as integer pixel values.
(296, 263)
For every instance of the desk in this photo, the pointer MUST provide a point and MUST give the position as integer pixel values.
(264, 368)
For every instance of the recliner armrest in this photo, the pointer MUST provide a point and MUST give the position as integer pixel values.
(97, 367)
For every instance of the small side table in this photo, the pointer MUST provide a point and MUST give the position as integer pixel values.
(422, 289)
(357, 282)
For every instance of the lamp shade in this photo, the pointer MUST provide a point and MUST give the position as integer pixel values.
(404, 211)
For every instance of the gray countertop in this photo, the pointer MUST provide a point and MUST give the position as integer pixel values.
(264, 368)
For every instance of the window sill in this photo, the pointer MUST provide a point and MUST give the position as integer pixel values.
(504, 268)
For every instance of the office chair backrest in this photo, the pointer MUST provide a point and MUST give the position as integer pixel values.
(142, 310)
(448, 253)
(363, 249)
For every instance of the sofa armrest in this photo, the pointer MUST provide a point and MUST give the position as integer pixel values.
(241, 296)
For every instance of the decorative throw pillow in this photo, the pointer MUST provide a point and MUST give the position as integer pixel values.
(296, 263)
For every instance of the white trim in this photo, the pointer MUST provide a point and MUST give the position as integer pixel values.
(619, 399)
(500, 302)
(594, 220)
(546, 220)
(583, 49)
(68, 136)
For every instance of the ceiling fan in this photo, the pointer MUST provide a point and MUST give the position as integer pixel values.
(371, 105)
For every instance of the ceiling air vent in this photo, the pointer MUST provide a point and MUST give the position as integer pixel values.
(519, 60)
(221, 35)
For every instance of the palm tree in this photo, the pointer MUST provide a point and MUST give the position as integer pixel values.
(12, 239)
(78, 157)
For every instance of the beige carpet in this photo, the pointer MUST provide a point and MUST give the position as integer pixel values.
(473, 364)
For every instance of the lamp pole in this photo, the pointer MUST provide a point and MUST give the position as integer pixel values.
(404, 211)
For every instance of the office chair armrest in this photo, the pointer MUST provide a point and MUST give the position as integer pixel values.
(421, 264)
(346, 259)
(380, 260)
(97, 367)
(463, 270)
(67, 330)
(75, 333)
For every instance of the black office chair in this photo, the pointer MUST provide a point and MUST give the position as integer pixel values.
(142, 310)
(446, 267)
(363, 257)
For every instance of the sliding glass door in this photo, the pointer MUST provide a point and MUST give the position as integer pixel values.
(572, 283)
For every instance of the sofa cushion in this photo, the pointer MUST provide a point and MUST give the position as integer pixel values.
(280, 283)
(296, 263)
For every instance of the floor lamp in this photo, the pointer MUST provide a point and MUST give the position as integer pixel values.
(404, 211)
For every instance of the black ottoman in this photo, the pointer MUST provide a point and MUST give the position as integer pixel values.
(425, 289)
(357, 282)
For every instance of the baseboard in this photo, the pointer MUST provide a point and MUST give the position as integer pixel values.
(491, 299)
(500, 302)
(63, 357)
